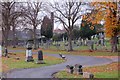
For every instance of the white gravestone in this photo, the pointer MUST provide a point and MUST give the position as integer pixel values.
(29, 52)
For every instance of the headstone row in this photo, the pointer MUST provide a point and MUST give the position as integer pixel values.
(77, 69)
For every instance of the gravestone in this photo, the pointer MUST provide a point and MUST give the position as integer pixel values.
(96, 45)
(29, 57)
(88, 75)
(5, 52)
(85, 42)
(80, 43)
(58, 46)
(17, 58)
(40, 57)
(69, 69)
(66, 44)
(90, 43)
(78, 69)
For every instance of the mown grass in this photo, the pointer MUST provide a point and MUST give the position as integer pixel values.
(64, 74)
(75, 47)
(113, 74)
(104, 71)
(78, 50)
(84, 52)
(12, 63)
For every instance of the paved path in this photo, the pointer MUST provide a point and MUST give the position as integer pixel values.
(47, 71)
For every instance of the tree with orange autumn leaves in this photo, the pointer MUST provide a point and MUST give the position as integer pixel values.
(108, 12)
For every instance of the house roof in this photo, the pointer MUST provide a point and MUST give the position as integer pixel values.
(21, 35)
(59, 31)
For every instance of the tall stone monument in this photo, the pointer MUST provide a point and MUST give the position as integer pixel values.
(29, 57)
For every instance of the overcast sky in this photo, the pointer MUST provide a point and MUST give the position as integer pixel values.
(58, 25)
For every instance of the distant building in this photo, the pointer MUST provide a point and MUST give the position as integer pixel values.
(25, 34)
(21, 36)
(59, 31)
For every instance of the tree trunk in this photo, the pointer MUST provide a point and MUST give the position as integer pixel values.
(14, 38)
(5, 37)
(114, 44)
(70, 42)
(6, 42)
(34, 38)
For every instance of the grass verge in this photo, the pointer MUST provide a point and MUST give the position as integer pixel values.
(13, 63)
(104, 71)
(82, 52)
(75, 52)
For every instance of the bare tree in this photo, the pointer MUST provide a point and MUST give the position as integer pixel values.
(16, 20)
(9, 17)
(68, 13)
(7, 13)
(32, 13)
(15, 24)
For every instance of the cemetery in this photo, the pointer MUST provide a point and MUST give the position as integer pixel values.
(55, 41)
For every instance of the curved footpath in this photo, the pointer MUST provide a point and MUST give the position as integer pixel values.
(47, 71)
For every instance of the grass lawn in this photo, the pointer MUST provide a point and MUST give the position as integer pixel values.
(78, 50)
(81, 52)
(17, 48)
(104, 71)
(12, 63)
